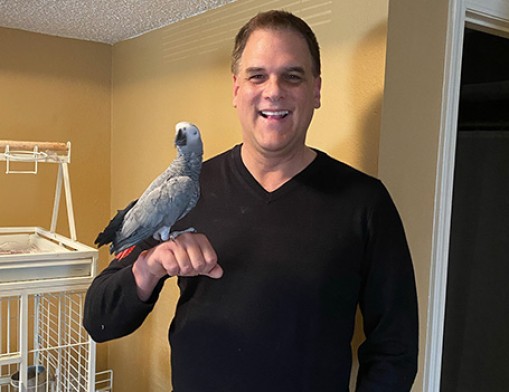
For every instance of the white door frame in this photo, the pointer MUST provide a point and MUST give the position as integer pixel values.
(492, 15)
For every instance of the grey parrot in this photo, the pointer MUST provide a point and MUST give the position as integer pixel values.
(166, 200)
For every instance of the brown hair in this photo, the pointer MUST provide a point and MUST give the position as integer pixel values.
(276, 20)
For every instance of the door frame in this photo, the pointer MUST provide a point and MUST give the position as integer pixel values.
(486, 15)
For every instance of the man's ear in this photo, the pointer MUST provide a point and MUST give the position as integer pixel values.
(317, 92)
(235, 90)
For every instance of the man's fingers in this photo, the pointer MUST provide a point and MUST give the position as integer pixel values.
(215, 273)
(182, 259)
(191, 255)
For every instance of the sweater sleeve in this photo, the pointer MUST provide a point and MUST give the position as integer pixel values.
(112, 306)
(388, 302)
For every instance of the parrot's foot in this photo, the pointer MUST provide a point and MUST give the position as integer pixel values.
(175, 234)
(162, 234)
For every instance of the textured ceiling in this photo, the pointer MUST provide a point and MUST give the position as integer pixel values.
(107, 21)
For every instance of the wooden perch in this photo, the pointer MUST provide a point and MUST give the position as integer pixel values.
(29, 146)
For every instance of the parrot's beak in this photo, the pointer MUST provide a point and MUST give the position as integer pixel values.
(181, 138)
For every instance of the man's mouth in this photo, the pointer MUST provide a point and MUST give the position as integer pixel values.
(276, 114)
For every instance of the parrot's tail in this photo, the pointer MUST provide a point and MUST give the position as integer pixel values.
(109, 232)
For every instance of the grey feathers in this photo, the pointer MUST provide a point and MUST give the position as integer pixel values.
(166, 200)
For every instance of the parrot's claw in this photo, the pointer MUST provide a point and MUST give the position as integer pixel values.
(175, 234)
(163, 234)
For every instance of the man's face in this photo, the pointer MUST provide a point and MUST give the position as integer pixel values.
(275, 92)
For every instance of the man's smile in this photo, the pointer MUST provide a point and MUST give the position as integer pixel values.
(275, 114)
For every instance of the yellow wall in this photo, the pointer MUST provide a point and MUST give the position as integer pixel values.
(56, 89)
(410, 129)
(181, 72)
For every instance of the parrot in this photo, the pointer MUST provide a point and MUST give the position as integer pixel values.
(170, 196)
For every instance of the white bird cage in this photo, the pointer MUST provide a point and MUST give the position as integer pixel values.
(43, 280)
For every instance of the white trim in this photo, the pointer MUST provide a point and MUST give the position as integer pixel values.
(498, 25)
(496, 9)
(485, 14)
(443, 197)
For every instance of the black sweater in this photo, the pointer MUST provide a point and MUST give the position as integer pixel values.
(296, 262)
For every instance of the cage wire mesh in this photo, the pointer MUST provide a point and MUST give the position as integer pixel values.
(58, 345)
(61, 343)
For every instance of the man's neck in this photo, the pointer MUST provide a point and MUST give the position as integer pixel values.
(272, 172)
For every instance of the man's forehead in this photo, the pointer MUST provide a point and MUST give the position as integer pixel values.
(287, 69)
(284, 50)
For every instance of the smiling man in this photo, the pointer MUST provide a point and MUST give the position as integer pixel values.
(275, 97)
(290, 241)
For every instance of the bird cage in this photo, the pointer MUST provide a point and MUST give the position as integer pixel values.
(43, 280)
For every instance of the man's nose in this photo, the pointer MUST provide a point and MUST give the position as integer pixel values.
(274, 89)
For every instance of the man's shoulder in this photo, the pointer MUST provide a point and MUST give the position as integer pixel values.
(341, 171)
(221, 157)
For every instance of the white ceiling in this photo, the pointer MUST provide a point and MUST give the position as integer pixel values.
(107, 21)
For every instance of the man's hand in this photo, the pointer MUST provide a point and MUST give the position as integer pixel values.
(190, 254)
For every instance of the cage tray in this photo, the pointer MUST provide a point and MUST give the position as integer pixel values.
(32, 253)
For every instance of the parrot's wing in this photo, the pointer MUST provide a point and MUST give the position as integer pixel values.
(159, 180)
(163, 206)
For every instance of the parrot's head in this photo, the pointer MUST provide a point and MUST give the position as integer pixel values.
(187, 138)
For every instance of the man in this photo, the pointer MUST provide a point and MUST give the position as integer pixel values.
(289, 242)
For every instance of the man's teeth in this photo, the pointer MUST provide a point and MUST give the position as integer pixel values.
(279, 113)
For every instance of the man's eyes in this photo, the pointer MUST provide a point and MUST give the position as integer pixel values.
(292, 78)
(257, 77)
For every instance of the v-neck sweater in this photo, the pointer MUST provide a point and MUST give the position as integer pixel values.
(297, 261)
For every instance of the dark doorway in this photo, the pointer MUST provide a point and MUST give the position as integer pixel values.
(476, 332)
